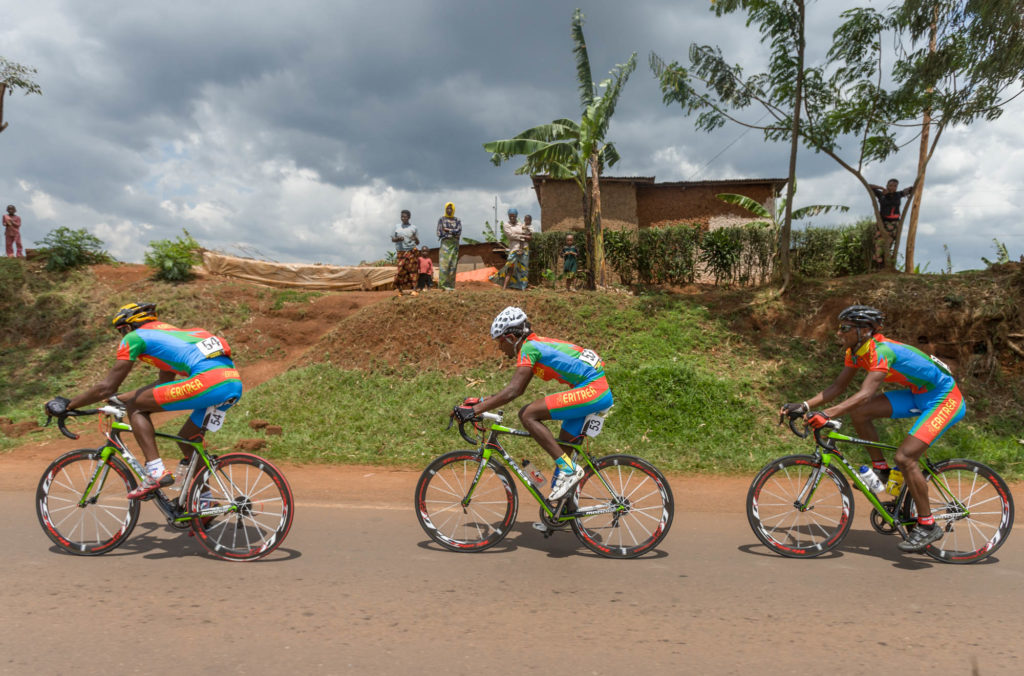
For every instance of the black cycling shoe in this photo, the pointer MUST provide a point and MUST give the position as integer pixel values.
(920, 537)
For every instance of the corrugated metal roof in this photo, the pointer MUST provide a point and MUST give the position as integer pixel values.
(669, 184)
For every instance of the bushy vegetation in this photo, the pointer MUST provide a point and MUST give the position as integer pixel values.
(172, 260)
(64, 249)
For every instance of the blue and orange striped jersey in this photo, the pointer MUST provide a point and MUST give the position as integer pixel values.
(904, 365)
(557, 360)
(183, 351)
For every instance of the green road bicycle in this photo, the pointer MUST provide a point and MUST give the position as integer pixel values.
(802, 505)
(466, 501)
(238, 505)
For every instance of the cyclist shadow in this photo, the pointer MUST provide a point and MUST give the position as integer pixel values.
(561, 544)
(155, 540)
(869, 543)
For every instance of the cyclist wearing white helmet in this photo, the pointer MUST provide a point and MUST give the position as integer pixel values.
(549, 359)
(931, 396)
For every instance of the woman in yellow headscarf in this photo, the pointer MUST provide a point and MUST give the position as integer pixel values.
(449, 230)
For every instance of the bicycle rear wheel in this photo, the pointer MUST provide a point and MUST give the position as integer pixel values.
(641, 499)
(262, 507)
(973, 505)
(459, 521)
(80, 524)
(784, 527)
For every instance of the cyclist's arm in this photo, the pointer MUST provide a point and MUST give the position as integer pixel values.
(837, 387)
(867, 390)
(105, 388)
(516, 386)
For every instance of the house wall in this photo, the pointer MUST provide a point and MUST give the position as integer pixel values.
(561, 205)
(669, 204)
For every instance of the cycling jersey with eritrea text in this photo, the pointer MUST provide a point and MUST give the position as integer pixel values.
(931, 395)
(557, 360)
(581, 369)
(209, 378)
(903, 365)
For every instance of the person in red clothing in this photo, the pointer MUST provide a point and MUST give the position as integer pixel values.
(426, 278)
(12, 232)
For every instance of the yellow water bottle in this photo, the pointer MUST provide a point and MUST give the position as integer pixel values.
(895, 483)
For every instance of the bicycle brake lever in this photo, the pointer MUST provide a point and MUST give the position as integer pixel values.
(64, 430)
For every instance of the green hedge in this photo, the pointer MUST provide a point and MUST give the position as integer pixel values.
(742, 254)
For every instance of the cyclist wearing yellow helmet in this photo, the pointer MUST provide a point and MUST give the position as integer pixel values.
(196, 372)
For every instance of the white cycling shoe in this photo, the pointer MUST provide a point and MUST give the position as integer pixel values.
(564, 483)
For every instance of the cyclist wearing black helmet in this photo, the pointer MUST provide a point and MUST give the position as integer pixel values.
(196, 372)
(931, 395)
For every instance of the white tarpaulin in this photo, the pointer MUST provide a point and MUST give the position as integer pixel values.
(299, 275)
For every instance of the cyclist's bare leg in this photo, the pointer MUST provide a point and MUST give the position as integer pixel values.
(907, 457)
(863, 416)
(140, 403)
(192, 432)
(531, 416)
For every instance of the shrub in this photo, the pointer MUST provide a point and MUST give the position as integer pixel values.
(64, 249)
(721, 251)
(172, 260)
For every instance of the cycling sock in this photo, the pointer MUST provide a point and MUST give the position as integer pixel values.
(927, 521)
(880, 464)
(155, 468)
(565, 464)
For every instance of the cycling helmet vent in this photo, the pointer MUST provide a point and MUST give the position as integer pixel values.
(133, 314)
(863, 315)
(509, 320)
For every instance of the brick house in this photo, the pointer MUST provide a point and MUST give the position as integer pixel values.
(639, 202)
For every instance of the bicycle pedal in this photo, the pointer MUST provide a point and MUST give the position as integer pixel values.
(545, 531)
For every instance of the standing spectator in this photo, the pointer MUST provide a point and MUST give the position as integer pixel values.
(569, 254)
(406, 244)
(426, 278)
(516, 271)
(889, 199)
(449, 230)
(12, 232)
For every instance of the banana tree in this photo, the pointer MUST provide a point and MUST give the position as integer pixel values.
(565, 149)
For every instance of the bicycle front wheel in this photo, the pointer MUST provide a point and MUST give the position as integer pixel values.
(257, 505)
(973, 505)
(81, 519)
(630, 505)
(460, 515)
(793, 517)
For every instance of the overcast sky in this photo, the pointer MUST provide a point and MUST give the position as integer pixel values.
(297, 131)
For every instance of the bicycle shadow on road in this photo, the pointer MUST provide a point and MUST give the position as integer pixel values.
(868, 543)
(155, 540)
(560, 545)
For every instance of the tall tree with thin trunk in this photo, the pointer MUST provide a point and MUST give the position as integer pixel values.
(15, 76)
(566, 149)
(715, 88)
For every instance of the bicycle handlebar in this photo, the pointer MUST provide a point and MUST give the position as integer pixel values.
(486, 415)
(830, 425)
(115, 411)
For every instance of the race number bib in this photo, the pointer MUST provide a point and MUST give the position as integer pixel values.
(940, 363)
(214, 418)
(210, 347)
(593, 424)
(590, 358)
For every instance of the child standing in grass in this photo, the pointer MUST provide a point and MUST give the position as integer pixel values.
(570, 254)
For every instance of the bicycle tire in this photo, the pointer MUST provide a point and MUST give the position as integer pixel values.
(637, 486)
(104, 522)
(473, 527)
(977, 519)
(264, 507)
(784, 528)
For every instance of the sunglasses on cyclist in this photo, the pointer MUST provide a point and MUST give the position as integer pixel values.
(843, 328)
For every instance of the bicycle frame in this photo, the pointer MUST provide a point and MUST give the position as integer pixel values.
(491, 447)
(830, 456)
(172, 509)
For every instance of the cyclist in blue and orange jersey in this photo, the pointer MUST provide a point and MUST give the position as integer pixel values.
(549, 359)
(931, 395)
(196, 372)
